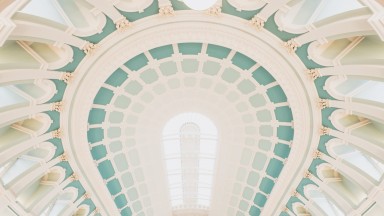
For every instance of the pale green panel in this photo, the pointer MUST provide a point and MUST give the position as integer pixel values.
(257, 100)
(265, 145)
(264, 116)
(253, 178)
(233, 96)
(230, 75)
(246, 86)
(189, 65)
(149, 76)
(147, 97)
(116, 117)
(116, 146)
(220, 88)
(122, 102)
(168, 68)
(133, 194)
(137, 108)
(133, 87)
(114, 132)
(211, 68)
(259, 161)
(242, 107)
(248, 193)
(121, 162)
(127, 180)
(131, 119)
(266, 130)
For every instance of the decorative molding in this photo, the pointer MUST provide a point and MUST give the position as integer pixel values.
(257, 22)
(307, 174)
(67, 77)
(317, 154)
(122, 24)
(57, 106)
(291, 46)
(74, 177)
(89, 48)
(57, 133)
(313, 73)
(166, 10)
(324, 130)
(323, 103)
(63, 157)
(214, 10)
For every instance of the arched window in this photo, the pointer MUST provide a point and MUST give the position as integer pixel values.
(326, 205)
(189, 142)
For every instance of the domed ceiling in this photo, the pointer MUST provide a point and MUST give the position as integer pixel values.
(146, 107)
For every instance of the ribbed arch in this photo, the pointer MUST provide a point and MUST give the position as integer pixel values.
(321, 201)
(303, 13)
(356, 158)
(61, 203)
(342, 184)
(82, 210)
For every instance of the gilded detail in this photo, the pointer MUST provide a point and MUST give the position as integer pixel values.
(166, 10)
(291, 46)
(122, 24)
(313, 73)
(257, 22)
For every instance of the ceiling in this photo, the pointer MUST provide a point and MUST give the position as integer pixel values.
(292, 89)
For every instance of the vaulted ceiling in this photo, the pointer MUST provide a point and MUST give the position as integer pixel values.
(292, 88)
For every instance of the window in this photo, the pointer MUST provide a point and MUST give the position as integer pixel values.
(190, 142)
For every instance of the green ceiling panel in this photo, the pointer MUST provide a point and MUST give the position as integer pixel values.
(113, 132)
(276, 94)
(107, 29)
(121, 162)
(274, 168)
(230, 75)
(253, 178)
(254, 211)
(126, 212)
(127, 180)
(262, 76)
(243, 205)
(246, 86)
(285, 133)
(211, 68)
(103, 97)
(149, 76)
(162, 52)
(133, 87)
(60, 87)
(264, 115)
(271, 26)
(217, 51)
(283, 114)
(229, 9)
(117, 78)
(116, 146)
(114, 186)
(106, 169)
(189, 65)
(242, 61)
(96, 116)
(116, 117)
(265, 145)
(137, 207)
(122, 102)
(137, 62)
(257, 100)
(266, 130)
(266, 185)
(248, 193)
(98, 152)
(260, 199)
(95, 135)
(168, 68)
(190, 48)
(121, 201)
(282, 150)
(259, 161)
(133, 194)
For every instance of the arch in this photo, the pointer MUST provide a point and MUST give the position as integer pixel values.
(63, 201)
(357, 158)
(82, 210)
(349, 190)
(325, 204)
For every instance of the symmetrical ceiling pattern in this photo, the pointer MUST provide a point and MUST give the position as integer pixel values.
(292, 86)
